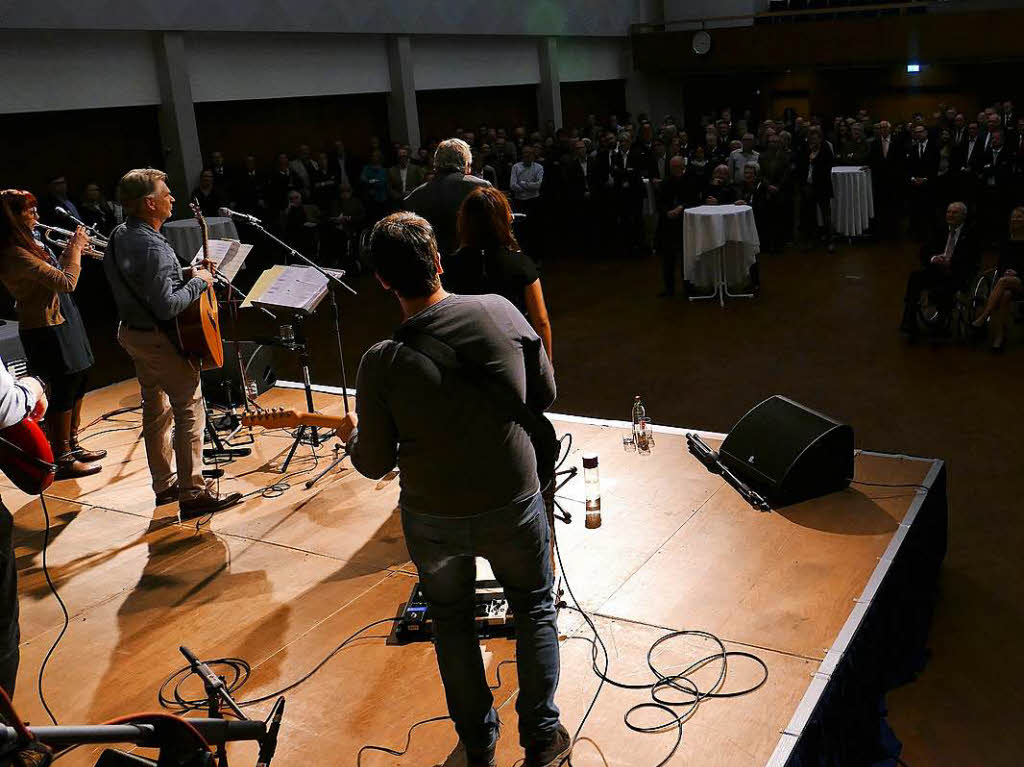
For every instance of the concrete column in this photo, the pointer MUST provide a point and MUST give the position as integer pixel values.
(549, 89)
(183, 159)
(403, 117)
(655, 94)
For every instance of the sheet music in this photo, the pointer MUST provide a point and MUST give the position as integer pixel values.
(227, 256)
(290, 287)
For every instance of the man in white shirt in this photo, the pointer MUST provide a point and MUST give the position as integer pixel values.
(18, 400)
(525, 183)
(740, 157)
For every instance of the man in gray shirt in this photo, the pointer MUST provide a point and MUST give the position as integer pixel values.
(150, 289)
(469, 483)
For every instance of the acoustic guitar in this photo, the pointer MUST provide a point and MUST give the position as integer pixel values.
(197, 329)
(280, 418)
(26, 457)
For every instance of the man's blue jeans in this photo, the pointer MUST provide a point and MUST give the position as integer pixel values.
(516, 541)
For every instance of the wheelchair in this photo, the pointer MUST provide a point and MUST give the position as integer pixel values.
(969, 298)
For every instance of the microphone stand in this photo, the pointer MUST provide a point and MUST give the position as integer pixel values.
(713, 463)
(332, 281)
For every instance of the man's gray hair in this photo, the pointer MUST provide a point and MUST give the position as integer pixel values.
(136, 185)
(961, 206)
(754, 167)
(452, 154)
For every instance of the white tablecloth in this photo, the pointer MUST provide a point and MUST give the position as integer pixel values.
(186, 238)
(710, 227)
(853, 204)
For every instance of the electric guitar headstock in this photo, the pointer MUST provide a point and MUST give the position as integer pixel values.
(274, 418)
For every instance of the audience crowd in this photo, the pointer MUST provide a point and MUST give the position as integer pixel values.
(618, 186)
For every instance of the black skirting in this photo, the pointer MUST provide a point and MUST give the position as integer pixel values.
(889, 648)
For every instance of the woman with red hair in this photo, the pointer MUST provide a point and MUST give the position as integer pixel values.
(489, 259)
(49, 324)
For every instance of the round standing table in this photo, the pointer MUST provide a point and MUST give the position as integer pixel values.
(720, 244)
(853, 204)
(186, 238)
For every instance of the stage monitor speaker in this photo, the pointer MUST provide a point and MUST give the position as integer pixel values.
(788, 452)
(223, 386)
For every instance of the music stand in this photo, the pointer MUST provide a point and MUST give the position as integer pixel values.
(227, 256)
(333, 280)
(297, 290)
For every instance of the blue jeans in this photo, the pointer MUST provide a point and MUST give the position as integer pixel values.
(515, 539)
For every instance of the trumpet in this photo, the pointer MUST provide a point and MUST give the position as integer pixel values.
(95, 246)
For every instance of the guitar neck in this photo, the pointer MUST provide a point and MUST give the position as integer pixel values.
(275, 419)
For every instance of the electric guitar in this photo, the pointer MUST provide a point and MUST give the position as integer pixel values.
(197, 329)
(26, 457)
(279, 417)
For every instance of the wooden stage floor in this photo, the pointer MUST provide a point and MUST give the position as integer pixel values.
(282, 579)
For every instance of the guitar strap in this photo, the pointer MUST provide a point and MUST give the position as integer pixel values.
(539, 428)
(160, 327)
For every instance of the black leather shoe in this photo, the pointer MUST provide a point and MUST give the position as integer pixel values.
(207, 502)
(552, 753)
(170, 495)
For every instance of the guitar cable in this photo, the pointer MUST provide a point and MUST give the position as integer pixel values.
(63, 608)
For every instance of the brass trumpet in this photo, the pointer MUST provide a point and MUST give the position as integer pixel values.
(95, 246)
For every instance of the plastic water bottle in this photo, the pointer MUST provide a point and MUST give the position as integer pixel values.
(592, 488)
(641, 427)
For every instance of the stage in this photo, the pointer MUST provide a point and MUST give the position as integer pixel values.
(813, 590)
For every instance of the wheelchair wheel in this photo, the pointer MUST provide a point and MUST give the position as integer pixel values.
(930, 316)
(982, 289)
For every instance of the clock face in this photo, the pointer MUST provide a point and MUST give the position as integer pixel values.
(701, 43)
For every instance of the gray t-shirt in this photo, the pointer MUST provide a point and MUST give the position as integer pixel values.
(458, 453)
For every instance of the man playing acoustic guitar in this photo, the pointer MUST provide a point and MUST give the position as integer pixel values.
(150, 289)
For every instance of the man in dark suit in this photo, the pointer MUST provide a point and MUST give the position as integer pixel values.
(886, 179)
(995, 185)
(248, 191)
(921, 167)
(959, 130)
(814, 182)
(675, 193)
(602, 191)
(439, 199)
(403, 177)
(948, 260)
(345, 168)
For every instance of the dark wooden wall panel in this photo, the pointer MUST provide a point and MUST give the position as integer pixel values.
(266, 127)
(598, 97)
(442, 111)
(86, 145)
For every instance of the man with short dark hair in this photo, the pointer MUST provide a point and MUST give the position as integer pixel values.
(426, 402)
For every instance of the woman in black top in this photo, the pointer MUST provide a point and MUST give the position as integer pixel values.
(1008, 281)
(489, 259)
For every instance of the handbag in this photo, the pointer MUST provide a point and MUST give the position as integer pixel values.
(540, 430)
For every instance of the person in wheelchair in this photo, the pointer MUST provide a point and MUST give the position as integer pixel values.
(948, 260)
(1007, 284)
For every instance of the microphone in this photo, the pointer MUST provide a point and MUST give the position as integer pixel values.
(227, 212)
(63, 213)
(268, 744)
(212, 682)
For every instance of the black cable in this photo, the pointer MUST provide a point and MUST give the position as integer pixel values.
(680, 682)
(176, 701)
(421, 722)
(63, 608)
